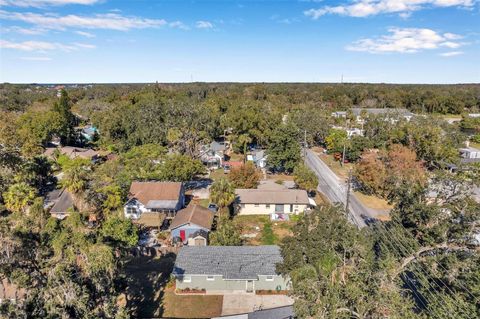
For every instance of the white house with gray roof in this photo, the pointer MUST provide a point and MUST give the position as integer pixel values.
(229, 269)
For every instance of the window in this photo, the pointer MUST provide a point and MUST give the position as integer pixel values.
(267, 205)
(131, 210)
(187, 279)
(257, 205)
(210, 278)
(291, 208)
(269, 278)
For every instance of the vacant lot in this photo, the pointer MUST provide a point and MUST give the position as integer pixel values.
(259, 230)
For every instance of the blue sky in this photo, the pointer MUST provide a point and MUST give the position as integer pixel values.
(395, 41)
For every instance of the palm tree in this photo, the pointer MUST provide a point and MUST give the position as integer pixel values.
(19, 196)
(222, 193)
(75, 178)
(244, 140)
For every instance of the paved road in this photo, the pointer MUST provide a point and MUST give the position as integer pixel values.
(336, 189)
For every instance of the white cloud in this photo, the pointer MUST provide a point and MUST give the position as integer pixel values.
(407, 40)
(84, 45)
(20, 30)
(35, 58)
(364, 8)
(204, 25)
(112, 21)
(85, 34)
(178, 25)
(450, 54)
(42, 3)
(43, 46)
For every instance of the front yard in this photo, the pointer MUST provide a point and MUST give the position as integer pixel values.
(194, 306)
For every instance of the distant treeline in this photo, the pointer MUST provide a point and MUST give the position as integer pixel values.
(442, 99)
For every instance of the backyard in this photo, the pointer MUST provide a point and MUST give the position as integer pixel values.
(259, 230)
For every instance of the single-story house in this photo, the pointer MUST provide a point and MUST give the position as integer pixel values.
(192, 224)
(354, 132)
(271, 202)
(73, 152)
(158, 199)
(63, 204)
(339, 114)
(229, 269)
(387, 112)
(470, 154)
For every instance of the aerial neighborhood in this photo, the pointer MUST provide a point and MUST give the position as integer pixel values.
(238, 208)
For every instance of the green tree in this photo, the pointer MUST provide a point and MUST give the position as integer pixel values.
(120, 230)
(284, 149)
(66, 130)
(336, 140)
(222, 193)
(305, 178)
(334, 273)
(18, 197)
(226, 234)
(76, 175)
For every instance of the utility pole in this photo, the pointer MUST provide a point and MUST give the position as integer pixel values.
(348, 193)
(305, 146)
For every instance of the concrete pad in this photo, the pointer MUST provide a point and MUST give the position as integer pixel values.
(244, 303)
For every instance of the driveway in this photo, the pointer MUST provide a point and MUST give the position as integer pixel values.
(243, 303)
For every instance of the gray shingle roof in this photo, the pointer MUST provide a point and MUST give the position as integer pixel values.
(400, 111)
(232, 262)
(63, 204)
(265, 196)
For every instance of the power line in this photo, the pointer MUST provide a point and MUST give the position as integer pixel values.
(425, 274)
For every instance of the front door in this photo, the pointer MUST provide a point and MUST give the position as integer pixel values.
(250, 286)
(182, 234)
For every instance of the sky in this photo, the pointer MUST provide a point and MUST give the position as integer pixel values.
(117, 41)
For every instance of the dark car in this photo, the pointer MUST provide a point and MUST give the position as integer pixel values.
(213, 207)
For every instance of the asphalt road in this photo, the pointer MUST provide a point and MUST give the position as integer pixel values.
(336, 190)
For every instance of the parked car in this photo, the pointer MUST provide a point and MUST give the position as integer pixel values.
(226, 169)
(213, 207)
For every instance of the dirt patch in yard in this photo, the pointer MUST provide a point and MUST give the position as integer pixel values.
(267, 232)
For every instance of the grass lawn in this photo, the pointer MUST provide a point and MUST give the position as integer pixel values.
(280, 177)
(373, 201)
(475, 145)
(236, 157)
(268, 233)
(339, 170)
(195, 306)
(217, 174)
